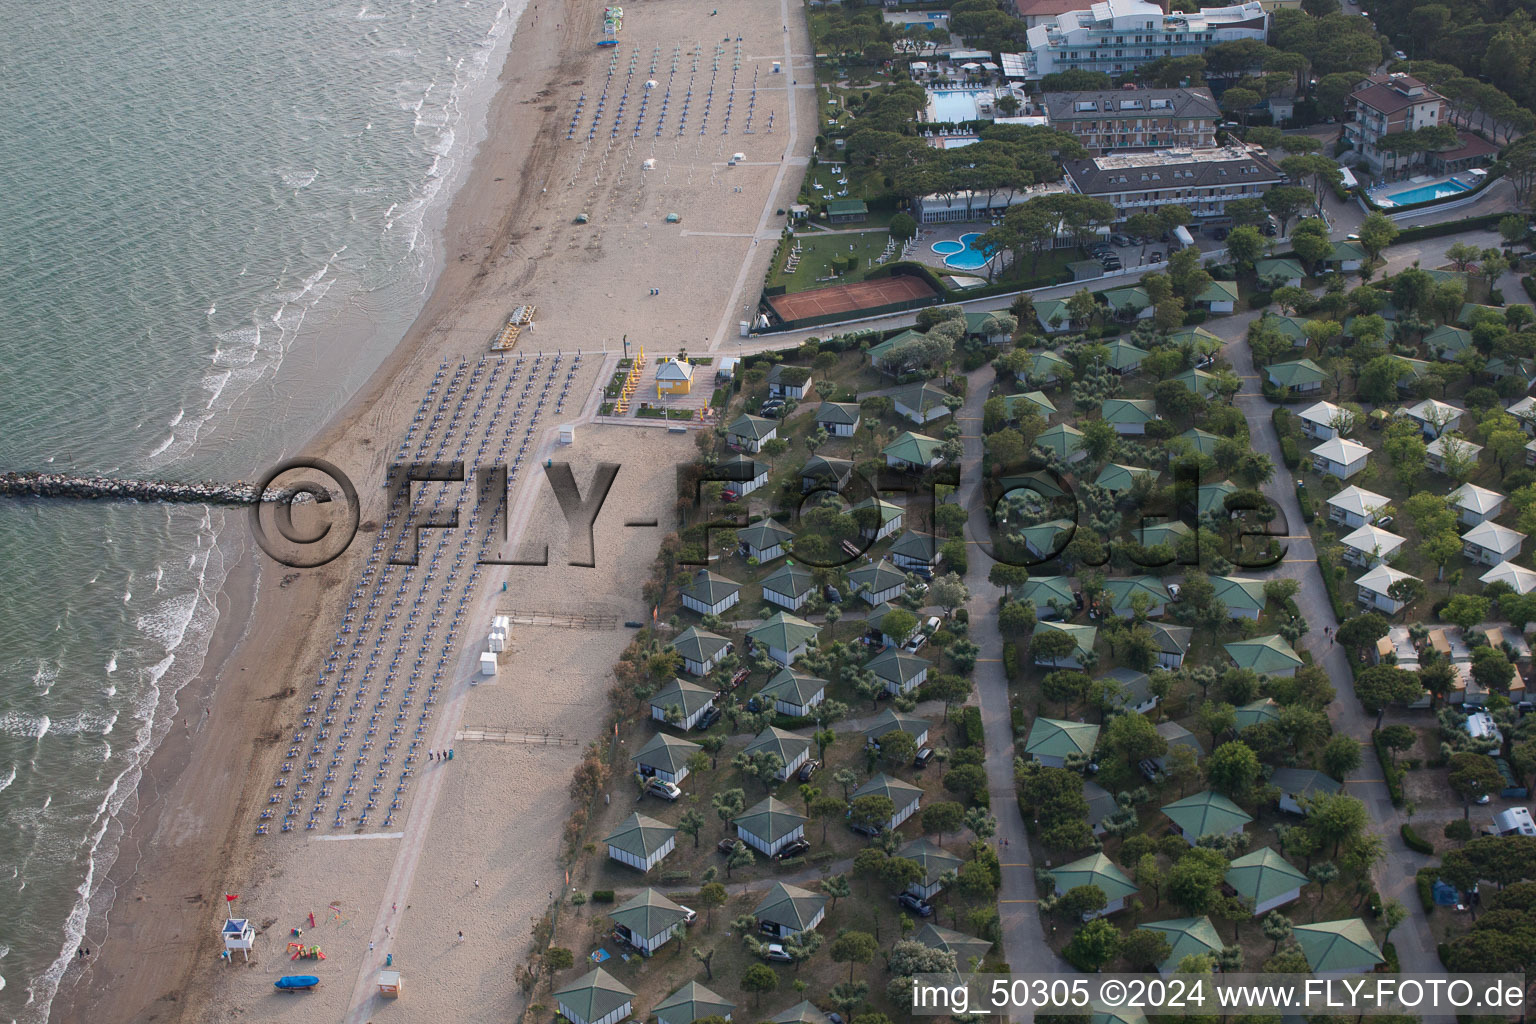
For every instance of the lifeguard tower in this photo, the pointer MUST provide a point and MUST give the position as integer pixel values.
(238, 934)
(389, 984)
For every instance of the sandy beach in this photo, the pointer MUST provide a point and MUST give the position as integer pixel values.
(494, 814)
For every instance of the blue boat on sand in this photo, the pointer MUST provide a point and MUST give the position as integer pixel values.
(296, 983)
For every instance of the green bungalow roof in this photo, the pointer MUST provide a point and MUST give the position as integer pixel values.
(1293, 327)
(790, 580)
(1016, 404)
(923, 547)
(889, 345)
(1264, 654)
(648, 913)
(682, 694)
(699, 645)
(921, 396)
(690, 1003)
(1255, 713)
(1415, 369)
(1127, 300)
(918, 449)
(824, 469)
(1095, 869)
(846, 413)
(793, 687)
(754, 427)
(1285, 268)
(889, 721)
(1170, 532)
(1262, 875)
(880, 576)
(1304, 782)
(1213, 497)
(1047, 485)
(1469, 310)
(1122, 354)
(764, 534)
(1446, 338)
(1119, 1015)
(1347, 250)
(786, 632)
(1349, 328)
(1206, 813)
(935, 860)
(898, 792)
(1218, 291)
(1171, 639)
(1128, 410)
(769, 820)
(1338, 945)
(844, 207)
(594, 995)
(1042, 536)
(790, 906)
(1046, 364)
(741, 468)
(1238, 592)
(984, 323)
(1198, 381)
(1122, 589)
(1202, 339)
(897, 666)
(1084, 635)
(1042, 590)
(709, 589)
(640, 836)
(1063, 440)
(1447, 276)
(1296, 373)
(1202, 441)
(887, 511)
(1115, 477)
(1050, 309)
(804, 1012)
(773, 740)
(1051, 737)
(1187, 936)
(1134, 687)
(967, 948)
(666, 752)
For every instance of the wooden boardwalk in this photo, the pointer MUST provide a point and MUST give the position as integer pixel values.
(559, 619)
(489, 734)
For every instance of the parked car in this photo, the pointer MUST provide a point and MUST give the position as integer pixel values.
(793, 848)
(774, 951)
(923, 757)
(932, 625)
(1220, 234)
(808, 769)
(915, 644)
(830, 594)
(919, 907)
(728, 495)
(664, 789)
(1149, 769)
(1174, 591)
(728, 845)
(1399, 55)
(1122, 240)
(1155, 257)
(1269, 229)
(689, 914)
(707, 719)
(739, 677)
(866, 828)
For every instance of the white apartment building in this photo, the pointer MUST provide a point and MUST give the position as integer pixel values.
(1388, 104)
(1204, 180)
(1116, 36)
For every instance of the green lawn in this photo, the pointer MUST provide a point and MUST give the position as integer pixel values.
(817, 251)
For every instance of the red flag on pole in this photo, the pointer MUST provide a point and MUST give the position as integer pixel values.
(230, 897)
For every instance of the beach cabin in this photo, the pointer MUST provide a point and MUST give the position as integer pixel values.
(1218, 297)
(764, 540)
(969, 951)
(1521, 579)
(1297, 377)
(1051, 741)
(877, 583)
(913, 452)
(648, 921)
(790, 748)
(238, 934)
(1370, 546)
(1266, 655)
(1489, 543)
(1127, 304)
(1355, 507)
(641, 842)
(1117, 479)
(1054, 315)
(785, 637)
(768, 826)
(665, 757)
(789, 587)
(742, 474)
(1213, 497)
(1448, 342)
(1201, 442)
(914, 551)
(1206, 814)
(821, 473)
(1264, 880)
(1096, 869)
(1129, 416)
(789, 381)
(1015, 406)
(789, 910)
(1101, 804)
(690, 1003)
(1172, 643)
(1052, 596)
(1299, 785)
(673, 377)
(709, 594)
(847, 211)
(1434, 417)
(1319, 421)
(877, 518)
(904, 797)
(1083, 635)
(1525, 412)
(1340, 457)
(920, 403)
(1347, 257)
(685, 702)
(1043, 369)
(1338, 947)
(751, 432)
(1243, 597)
(1371, 589)
(935, 861)
(1280, 273)
(899, 671)
(840, 419)
(700, 650)
(793, 693)
(594, 998)
(1186, 936)
(1475, 504)
(889, 721)
(991, 327)
(1044, 540)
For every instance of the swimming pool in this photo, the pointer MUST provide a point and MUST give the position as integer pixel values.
(1424, 193)
(960, 255)
(956, 105)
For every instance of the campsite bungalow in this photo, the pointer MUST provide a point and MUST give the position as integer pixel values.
(1175, 735)
(752, 432)
(1490, 543)
(791, 748)
(1127, 304)
(1135, 693)
(821, 473)
(1186, 936)
(1015, 406)
(885, 519)
(1243, 597)
(1448, 342)
(1297, 376)
(1266, 655)
(674, 377)
(1521, 579)
(1054, 316)
(990, 327)
(1371, 589)
(709, 594)
(1218, 297)
(889, 721)
(665, 757)
(901, 672)
(784, 636)
(1044, 368)
(743, 475)
(1084, 635)
(1340, 457)
(1264, 880)
(1116, 478)
(789, 587)
(1370, 546)
(648, 921)
(1213, 497)
(690, 1003)
(1128, 415)
(1096, 869)
(789, 910)
(969, 952)
(921, 403)
(913, 451)
(840, 419)
(1101, 804)
(1051, 595)
(903, 796)
(1298, 785)
(768, 826)
(1346, 257)
(1319, 421)
(914, 551)
(1338, 947)
(1064, 441)
(1204, 814)
(877, 583)
(1475, 504)
(1287, 271)
(1434, 417)
(935, 862)
(1051, 741)
(1122, 591)
(793, 693)
(1355, 507)
(1044, 540)
(688, 699)
(641, 842)
(804, 1012)
(1442, 451)
(764, 540)
(700, 649)
(1172, 643)
(594, 998)
(789, 381)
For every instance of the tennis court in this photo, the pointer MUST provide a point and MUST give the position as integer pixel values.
(850, 298)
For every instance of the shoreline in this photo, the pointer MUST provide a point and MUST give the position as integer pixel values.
(165, 880)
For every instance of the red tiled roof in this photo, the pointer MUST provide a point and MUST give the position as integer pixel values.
(1471, 145)
(1046, 8)
(1381, 94)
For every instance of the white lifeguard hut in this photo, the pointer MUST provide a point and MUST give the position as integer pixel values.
(239, 934)
(567, 433)
(389, 984)
(488, 664)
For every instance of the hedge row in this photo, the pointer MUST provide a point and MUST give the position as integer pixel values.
(1425, 880)
(1391, 772)
(1529, 284)
(1450, 227)
(1414, 841)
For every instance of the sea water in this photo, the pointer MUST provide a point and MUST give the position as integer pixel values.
(218, 220)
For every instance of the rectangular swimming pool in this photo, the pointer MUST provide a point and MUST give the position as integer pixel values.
(1424, 193)
(956, 105)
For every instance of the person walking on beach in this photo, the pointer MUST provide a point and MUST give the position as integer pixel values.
(461, 936)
